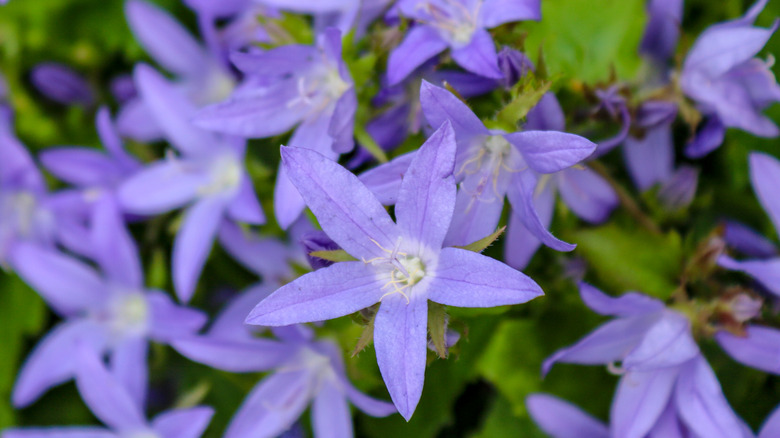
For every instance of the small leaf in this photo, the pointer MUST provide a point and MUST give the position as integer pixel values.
(194, 396)
(527, 98)
(482, 244)
(368, 142)
(336, 255)
(437, 326)
(366, 338)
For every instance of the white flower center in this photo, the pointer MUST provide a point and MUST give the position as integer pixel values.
(129, 314)
(142, 434)
(405, 270)
(491, 161)
(225, 175)
(456, 23)
(320, 89)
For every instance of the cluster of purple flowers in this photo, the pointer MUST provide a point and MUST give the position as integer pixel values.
(74, 248)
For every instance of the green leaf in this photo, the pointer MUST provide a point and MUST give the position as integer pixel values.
(336, 255)
(528, 96)
(633, 259)
(584, 40)
(437, 325)
(367, 337)
(482, 244)
(368, 142)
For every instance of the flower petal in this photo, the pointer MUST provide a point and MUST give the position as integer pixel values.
(347, 211)
(497, 12)
(338, 290)
(765, 177)
(707, 139)
(236, 356)
(561, 419)
(718, 50)
(650, 160)
(427, 197)
(759, 348)
(439, 106)
(767, 272)
(551, 151)
(193, 244)
(771, 426)
(421, 44)
(667, 343)
(168, 321)
(273, 406)
(183, 423)
(265, 256)
(400, 338)
(330, 412)
(479, 55)
(68, 285)
(59, 432)
(245, 207)
(467, 279)
(639, 401)
(628, 304)
(113, 245)
(587, 194)
(128, 365)
(384, 180)
(80, 166)
(161, 187)
(369, 405)
(521, 244)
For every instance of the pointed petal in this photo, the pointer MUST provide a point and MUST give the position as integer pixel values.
(193, 244)
(229, 323)
(748, 241)
(551, 151)
(279, 61)
(473, 217)
(68, 285)
(128, 365)
(52, 361)
(338, 290)
(421, 44)
(707, 139)
(384, 180)
(467, 279)
(342, 122)
(640, 399)
(628, 304)
(135, 120)
(266, 257)
(369, 405)
(521, 196)
(497, 12)
(611, 342)
(668, 343)
(765, 177)
(701, 404)
(161, 187)
(439, 105)
(720, 49)
(273, 406)
(288, 202)
(767, 272)
(587, 194)
(167, 41)
(169, 321)
(479, 55)
(759, 348)
(561, 419)
(650, 160)
(400, 338)
(236, 356)
(59, 432)
(110, 139)
(330, 413)
(173, 112)
(245, 207)
(183, 423)
(114, 247)
(427, 197)
(345, 208)
(521, 244)
(80, 166)
(547, 115)
(104, 395)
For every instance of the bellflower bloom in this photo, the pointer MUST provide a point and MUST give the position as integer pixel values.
(62, 84)
(663, 29)
(307, 370)
(288, 86)
(491, 165)
(111, 403)
(461, 26)
(200, 73)
(109, 311)
(208, 176)
(94, 174)
(342, 14)
(403, 264)
(730, 86)
(765, 178)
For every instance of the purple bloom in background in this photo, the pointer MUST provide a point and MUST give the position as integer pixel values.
(110, 312)
(200, 73)
(306, 371)
(94, 175)
(208, 176)
(650, 158)
(288, 86)
(62, 84)
(403, 264)
(112, 404)
(342, 14)
(459, 25)
(614, 104)
(730, 86)
(663, 29)
(765, 177)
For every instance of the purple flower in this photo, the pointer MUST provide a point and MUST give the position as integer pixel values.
(110, 312)
(200, 73)
(208, 176)
(403, 265)
(288, 86)
(112, 404)
(342, 14)
(663, 29)
(62, 84)
(758, 348)
(460, 25)
(765, 177)
(306, 370)
(730, 86)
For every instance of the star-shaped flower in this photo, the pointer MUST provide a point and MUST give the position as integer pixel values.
(401, 265)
